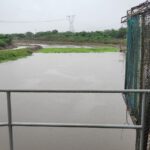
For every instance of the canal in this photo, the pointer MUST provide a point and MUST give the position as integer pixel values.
(100, 71)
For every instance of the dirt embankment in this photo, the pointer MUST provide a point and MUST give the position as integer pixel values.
(8, 47)
(28, 42)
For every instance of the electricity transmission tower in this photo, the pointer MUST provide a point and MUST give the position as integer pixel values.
(71, 19)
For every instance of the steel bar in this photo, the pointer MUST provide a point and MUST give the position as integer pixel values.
(111, 126)
(10, 128)
(142, 122)
(124, 19)
(76, 91)
(137, 10)
(11, 124)
(3, 124)
(141, 5)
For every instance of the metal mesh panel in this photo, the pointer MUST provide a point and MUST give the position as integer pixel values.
(146, 68)
(146, 52)
(133, 63)
(138, 67)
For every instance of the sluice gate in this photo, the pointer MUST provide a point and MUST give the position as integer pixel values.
(137, 74)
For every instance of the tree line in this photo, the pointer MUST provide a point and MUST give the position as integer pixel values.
(107, 36)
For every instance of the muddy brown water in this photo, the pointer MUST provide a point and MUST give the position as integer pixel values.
(66, 71)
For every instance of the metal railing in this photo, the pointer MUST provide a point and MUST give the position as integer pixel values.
(12, 124)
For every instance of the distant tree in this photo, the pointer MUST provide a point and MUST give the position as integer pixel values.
(18, 36)
(83, 33)
(122, 33)
(29, 35)
(55, 31)
(5, 40)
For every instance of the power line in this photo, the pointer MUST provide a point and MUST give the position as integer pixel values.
(70, 18)
(36, 21)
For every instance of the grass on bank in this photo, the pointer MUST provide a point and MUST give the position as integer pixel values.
(78, 50)
(6, 55)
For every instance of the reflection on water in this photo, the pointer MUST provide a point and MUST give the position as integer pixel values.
(66, 71)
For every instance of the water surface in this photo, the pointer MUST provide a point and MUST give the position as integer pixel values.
(66, 71)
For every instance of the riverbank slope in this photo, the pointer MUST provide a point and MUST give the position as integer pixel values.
(6, 55)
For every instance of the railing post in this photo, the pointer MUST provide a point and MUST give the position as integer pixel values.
(10, 128)
(142, 122)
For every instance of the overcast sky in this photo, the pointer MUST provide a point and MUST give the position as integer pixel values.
(91, 15)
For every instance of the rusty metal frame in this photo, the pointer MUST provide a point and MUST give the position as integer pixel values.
(137, 10)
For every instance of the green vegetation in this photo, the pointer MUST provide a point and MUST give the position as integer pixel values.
(104, 37)
(5, 40)
(78, 50)
(109, 37)
(6, 55)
